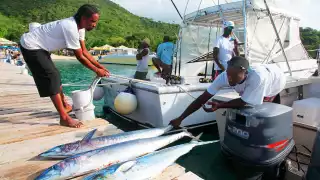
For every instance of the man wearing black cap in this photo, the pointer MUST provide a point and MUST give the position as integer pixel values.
(256, 85)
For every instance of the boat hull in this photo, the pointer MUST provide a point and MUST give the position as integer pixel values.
(158, 108)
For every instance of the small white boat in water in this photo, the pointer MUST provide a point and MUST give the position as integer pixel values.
(122, 56)
(122, 59)
(262, 41)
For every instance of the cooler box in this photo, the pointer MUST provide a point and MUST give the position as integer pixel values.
(306, 119)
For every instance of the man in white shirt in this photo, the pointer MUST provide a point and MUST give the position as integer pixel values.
(69, 33)
(256, 85)
(224, 49)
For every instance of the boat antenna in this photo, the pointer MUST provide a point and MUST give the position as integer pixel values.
(275, 29)
(177, 9)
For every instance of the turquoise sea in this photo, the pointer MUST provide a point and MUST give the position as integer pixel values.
(206, 161)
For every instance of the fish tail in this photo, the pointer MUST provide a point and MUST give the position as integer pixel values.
(197, 138)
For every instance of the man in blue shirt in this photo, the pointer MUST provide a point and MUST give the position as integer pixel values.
(163, 62)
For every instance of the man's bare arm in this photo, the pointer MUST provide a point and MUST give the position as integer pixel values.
(236, 48)
(89, 56)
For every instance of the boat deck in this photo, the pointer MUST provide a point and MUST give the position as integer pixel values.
(29, 126)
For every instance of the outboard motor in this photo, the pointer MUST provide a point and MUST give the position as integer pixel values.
(258, 139)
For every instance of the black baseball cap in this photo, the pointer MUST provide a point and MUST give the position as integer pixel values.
(238, 62)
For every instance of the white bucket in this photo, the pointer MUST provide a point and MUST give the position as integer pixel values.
(82, 102)
(86, 114)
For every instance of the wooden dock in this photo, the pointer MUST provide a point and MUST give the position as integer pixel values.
(29, 126)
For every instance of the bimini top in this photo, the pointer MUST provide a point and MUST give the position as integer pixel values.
(233, 11)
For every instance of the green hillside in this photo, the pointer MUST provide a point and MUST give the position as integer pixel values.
(116, 26)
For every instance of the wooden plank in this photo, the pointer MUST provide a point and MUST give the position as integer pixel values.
(188, 176)
(30, 100)
(22, 97)
(27, 103)
(25, 109)
(27, 170)
(33, 94)
(26, 118)
(36, 132)
(34, 114)
(32, 148)
(31, 125)
(171, 172)
(47, 121)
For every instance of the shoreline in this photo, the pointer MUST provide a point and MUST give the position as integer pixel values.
(55, 57)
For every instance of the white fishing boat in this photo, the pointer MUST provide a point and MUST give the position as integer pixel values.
(265, 37)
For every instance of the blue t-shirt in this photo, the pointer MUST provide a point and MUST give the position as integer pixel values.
(165, 52)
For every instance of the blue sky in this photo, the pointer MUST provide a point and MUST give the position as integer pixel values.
(163, 10)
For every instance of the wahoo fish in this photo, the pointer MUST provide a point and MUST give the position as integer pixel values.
(97, 159)
(145, 167)
(88, 143)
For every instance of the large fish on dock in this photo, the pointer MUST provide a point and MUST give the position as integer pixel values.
(145, 167)
(88, 143)
(97, 159)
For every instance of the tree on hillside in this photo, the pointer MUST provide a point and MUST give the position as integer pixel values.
(310, 39)
(116, 41)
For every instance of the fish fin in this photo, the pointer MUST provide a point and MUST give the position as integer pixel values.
(199, 136)
(197, 139)
(126, 166)
(89, 135)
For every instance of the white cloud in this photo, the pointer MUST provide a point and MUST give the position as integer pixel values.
(163, 10)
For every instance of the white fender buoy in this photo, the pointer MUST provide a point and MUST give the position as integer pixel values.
(125, 103)
(98, 93)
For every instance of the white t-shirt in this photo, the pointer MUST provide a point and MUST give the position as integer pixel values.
(262, 81)
(54, 36)
(82, 34)
(226, 46)
(142, 65)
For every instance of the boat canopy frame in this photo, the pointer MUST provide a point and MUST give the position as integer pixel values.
(240, 12)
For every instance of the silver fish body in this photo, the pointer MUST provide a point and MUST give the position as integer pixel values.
(145, 167)
(94, 160)
(88, 143)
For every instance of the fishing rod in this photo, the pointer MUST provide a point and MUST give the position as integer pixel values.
(180, 39)
(206, 69)
(176, 54)
(177, 9)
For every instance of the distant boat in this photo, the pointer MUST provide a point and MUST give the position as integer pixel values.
(122, 59)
